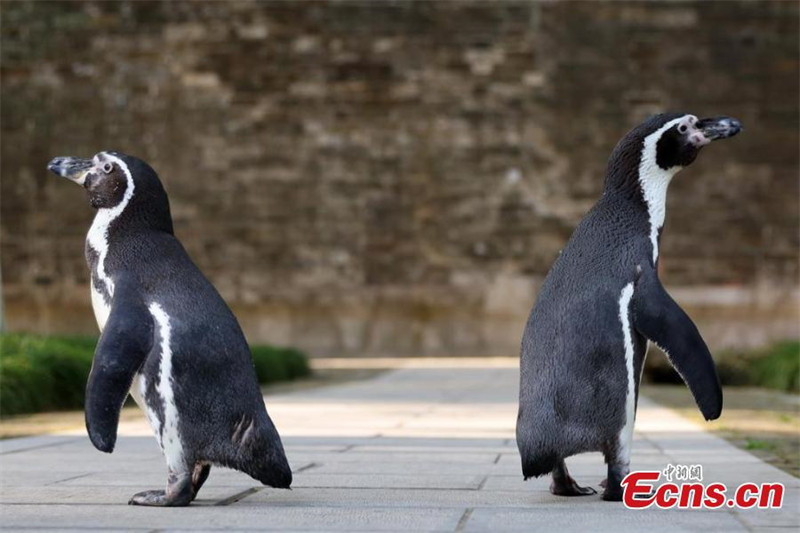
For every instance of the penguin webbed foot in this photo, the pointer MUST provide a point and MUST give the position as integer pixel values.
(612, 495)
(150, 498)
(179, 493)
(199, 476)
(613, 483)
(646, 496)
(569, 487)
(564, 485)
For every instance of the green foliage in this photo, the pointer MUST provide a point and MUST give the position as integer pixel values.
(279, 364)
(42, 373)
(778, 368)
(774, 367)
(756, 444)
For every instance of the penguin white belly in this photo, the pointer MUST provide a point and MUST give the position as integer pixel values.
(626, 433)
(138, 391)
(170, 436)
(100, 307)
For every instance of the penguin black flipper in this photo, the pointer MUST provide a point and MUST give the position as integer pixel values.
(122, 349)
(659, 318)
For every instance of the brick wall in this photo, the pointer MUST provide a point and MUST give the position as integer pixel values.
(397, 177)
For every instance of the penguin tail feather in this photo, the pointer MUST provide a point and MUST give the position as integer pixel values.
(270, 467)
(539, 464)
(267, 461)
(277, 476)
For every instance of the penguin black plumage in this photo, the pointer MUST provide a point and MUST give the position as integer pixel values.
(167, 337)
(585, 340)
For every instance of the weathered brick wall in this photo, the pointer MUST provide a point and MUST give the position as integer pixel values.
(380, 177)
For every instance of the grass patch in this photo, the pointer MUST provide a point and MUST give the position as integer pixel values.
(775, 367)
(48, 373)
(758, 444)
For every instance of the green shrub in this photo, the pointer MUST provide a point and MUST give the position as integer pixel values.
(39, 373)
(296, 363)
(43, 373)
(279, 364)
(23, 386)
(778, 368)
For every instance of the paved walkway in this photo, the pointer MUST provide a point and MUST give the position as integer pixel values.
(428, 446)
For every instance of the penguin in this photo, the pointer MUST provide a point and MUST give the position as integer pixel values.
(167, 338)
(601, 304)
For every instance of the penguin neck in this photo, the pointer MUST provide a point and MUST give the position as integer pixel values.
(654, 182)
(112, 232)
(98, 241)
(643, 190)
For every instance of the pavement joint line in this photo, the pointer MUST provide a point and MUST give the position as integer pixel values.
(657, 446)
(483, 482)
(337, 487)
(105, 485)
(86, 528)
(497, 459)
(69, 479)
(65, 504)
(51, 445)
(238, 496)
(346, 448)
(462, 522)
(308, 466)
(739, 518)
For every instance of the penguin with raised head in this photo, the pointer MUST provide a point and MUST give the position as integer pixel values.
(601, 303)
(167, 337)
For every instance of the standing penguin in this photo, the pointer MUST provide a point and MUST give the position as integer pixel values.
(585, 341)
(167, 337)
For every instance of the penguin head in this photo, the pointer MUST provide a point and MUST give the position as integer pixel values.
(663, 145)
(120, 182)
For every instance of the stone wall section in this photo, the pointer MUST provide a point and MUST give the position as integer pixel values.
(397, 177)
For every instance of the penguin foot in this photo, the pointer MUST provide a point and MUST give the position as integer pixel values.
(199, 476)
(645, 496)
(179, 493)
(613, 482)
(612, 494)
(568, 487)
(564, 485)
(155, 498)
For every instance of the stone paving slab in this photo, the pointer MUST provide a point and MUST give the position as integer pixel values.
(422, 448)
(232, 518)
(599, 520)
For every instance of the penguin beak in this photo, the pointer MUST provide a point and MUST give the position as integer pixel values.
(718, 128)
(72, 168)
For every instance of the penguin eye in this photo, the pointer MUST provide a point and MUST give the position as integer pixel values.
(108, 167)
(682, 128)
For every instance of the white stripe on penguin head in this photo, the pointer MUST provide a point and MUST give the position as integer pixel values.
(654, 181)
(98, 232)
